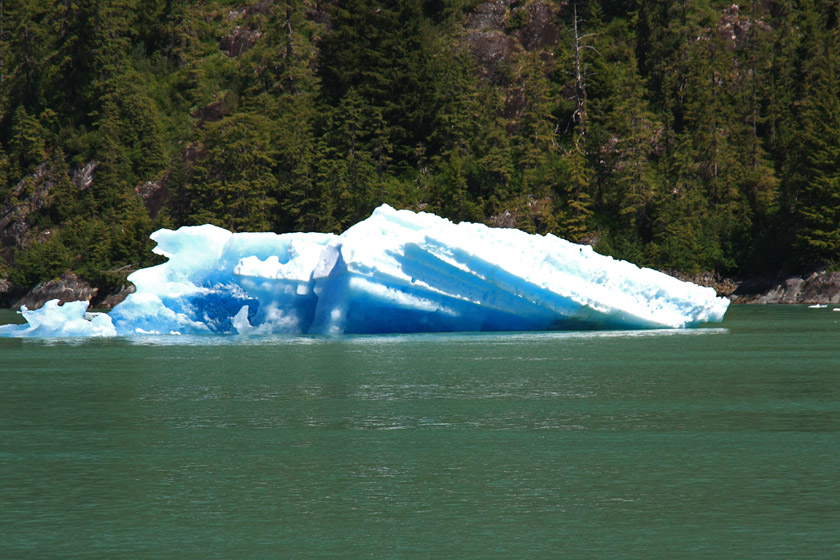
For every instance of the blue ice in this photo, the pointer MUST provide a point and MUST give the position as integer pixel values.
(396, 272)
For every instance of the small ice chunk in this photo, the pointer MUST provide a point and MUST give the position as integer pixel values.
(54, 320)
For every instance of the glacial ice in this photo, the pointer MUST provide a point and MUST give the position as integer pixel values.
(395, 272)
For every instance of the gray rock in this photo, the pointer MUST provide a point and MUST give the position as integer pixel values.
(110, 300)
(67, 288)
(818, 287)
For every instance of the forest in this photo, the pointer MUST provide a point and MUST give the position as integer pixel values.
(688, 136)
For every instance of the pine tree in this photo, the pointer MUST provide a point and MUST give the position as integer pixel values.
(234, 183)
(359, 150)
(27, 143)
(818, 198)
(66, 200)
(468, 134)
(536, 138)
(283, 60)
(304, 202)
(451, 188)
(681, 238)
(4, 175)
(114, 175)
(625, 135)
(70, 81)
(576, 213)
(27, 43)
(381, 51)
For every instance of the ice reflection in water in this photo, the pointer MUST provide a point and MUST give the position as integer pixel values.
(712, 443)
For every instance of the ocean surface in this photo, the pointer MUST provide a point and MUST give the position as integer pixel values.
(720, 442)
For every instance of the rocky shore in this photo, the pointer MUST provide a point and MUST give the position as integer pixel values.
(815, 288)
(70, 287)
(820, 287)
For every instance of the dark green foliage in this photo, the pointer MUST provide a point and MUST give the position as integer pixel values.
(817, 183)
(26, 143)
(381, 51)
(234, 184)
(41, 261)
(576, 213)
(681, 135)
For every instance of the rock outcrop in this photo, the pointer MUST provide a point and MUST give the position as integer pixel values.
(67, 288)
(70, 287)
(112, 299)
(724, 287)
(31, 194)
(819, 287)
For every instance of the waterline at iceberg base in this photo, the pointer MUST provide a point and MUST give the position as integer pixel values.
(395, 272)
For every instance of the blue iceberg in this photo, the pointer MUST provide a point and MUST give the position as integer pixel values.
(396, 272)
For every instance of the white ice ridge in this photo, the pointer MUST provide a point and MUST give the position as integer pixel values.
(397, 271)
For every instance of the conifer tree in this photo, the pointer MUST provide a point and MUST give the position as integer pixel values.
(536, 138)
(4, 175)
(27, 143)
(360, 153)
(381, 52)
(467, 127)
(467, 120)
(626, 136)
(114, 176)
(66, 201)
(818, 194)
(27, 43)
(451, 192)
(69, 82)
(576, 213)
(304, 202)
(704, 139)
(234, 183)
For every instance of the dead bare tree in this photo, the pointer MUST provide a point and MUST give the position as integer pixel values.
(580, 76)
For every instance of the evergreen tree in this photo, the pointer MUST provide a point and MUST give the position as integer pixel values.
(26, 44)
(818, 189)
(536, 138)
(66, 200)
(70, 81)
(626, 136)
(468, 138)
(576, 211)
(234, 183)
(381, 51)
(677, 234)
(4, 175)
(27, 143)
(114, 176)
(305, 204)
(359, 151)
(451, 188)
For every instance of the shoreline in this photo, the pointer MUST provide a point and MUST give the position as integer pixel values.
(819, 287)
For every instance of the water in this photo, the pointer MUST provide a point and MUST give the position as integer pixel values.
(716, 443)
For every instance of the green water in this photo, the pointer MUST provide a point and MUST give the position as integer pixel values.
(717, 443)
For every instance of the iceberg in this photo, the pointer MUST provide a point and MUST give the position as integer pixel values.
(395, 272)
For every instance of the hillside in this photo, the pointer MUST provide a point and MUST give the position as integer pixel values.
(686, 136)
